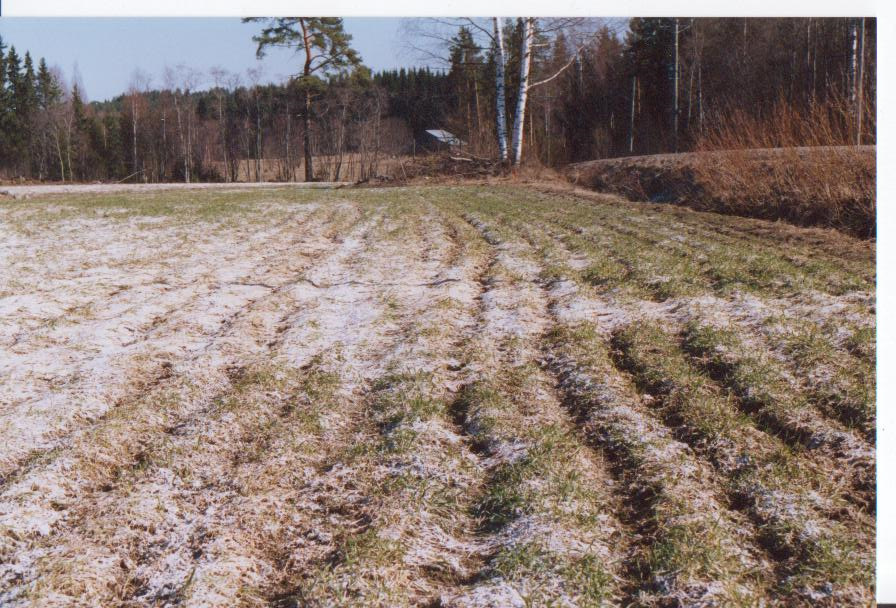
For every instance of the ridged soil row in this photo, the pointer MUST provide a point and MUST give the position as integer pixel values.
(51, 509)
(849, 273)
(406, 474)
(547, 513)
(809, 523)
(836, 370)
(801, 246)
(667, 268)
(765, 266)
(289, 501)
(302, 499)
(766, 392)
(802, 514)
(816, 309)
(797, 421)
(623, 262)
(691, 548)
(839, 379)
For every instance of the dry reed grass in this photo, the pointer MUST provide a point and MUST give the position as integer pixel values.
(797, 164)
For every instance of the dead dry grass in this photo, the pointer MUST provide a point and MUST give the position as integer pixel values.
(828, 186)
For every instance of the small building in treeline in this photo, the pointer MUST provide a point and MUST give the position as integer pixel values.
(438, 140)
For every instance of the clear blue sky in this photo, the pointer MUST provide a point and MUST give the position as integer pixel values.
(107, 50)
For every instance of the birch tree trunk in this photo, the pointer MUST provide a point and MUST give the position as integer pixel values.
(306, 140)
(223, 135)
(288, 135)
(306, 137)
(859, 78)
(134, 130)
(183, 141)
(501, 103)
(259, 176)
(675, 102)
(854, 60)
(163, 173)
(520, 114)
(189, 149)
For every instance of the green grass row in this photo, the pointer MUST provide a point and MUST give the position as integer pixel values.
(418, 484)
(764, 390)
(692, 548)
(777, 487)
(540, 480)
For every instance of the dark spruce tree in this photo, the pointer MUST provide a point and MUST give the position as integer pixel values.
(12, 126)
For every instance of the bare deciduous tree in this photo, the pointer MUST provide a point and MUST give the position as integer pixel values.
(139, 84)
(182, 80)
(500, 96)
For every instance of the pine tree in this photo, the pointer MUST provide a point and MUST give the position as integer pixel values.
(4, 106)
(48, 94)
(327, 49)
(464, 77)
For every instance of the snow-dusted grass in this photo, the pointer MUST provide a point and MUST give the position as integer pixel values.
(786, 492)
(464, 396)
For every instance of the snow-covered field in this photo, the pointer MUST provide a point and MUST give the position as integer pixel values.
(30, 190)
(454, 396)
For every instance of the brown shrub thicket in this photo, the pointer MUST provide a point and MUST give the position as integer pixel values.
(799, 164)
(831, 186)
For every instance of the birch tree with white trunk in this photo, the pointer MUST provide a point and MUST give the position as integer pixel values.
(531, 28)
(182, 81)
(523, 91)
(435, 36)
(138, 87)
(219, 78)
(500, 95)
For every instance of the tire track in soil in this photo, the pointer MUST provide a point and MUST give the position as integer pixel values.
(230, 550)
(779, 409)
(165, 371)
(805, 520)
(604, 419)
(437, 545)
(329, 491)
(814, 308)
(829, 443)
(197, 581)
(675, 247)
(676, 316)
(500, 357)
(38, 505)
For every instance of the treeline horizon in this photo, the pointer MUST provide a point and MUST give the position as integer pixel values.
(663, 85)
